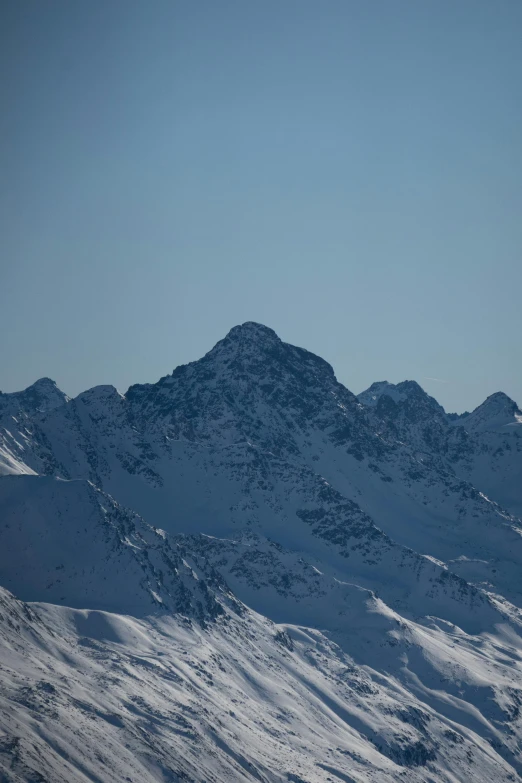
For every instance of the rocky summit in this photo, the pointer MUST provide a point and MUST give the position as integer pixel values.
(244, 572)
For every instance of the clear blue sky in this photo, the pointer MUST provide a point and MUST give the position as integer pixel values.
(348, 172)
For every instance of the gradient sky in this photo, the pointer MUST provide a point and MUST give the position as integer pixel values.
(348, 172)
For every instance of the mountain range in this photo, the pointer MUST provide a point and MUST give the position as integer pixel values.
(245, 572)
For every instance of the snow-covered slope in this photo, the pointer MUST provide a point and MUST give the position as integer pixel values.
(68, 543)
(166, 531)
(89, 695)
(20, 436)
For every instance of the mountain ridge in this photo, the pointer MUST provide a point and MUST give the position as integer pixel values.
(248, 520)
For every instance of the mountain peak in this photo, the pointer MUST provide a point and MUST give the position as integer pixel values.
(372, 394)
(500, 398)
(251, 386)
(102, 398)
(411, 387)
(406, 401)
(398, 392)
(43, 383)
(495, 413)
(256, 350)
(103, 391)
(252, 331)
(249, 336)
(43, 395)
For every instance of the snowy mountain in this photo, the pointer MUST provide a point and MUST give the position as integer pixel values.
(44, 395)
(499, 413)
(483, 447)
(18, 431)
(280, 580)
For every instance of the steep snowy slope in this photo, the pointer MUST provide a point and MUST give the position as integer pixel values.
(88, 695)
(20, 437)
(68, 543)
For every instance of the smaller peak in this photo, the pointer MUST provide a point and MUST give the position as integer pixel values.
(495, 413)
(373, 393)
(43, 395)
(43, 383)
(411, 387)
(413, 390)
(103, 392)
(416, 395)
(500, 397)
(406, 393)
(499, 401)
